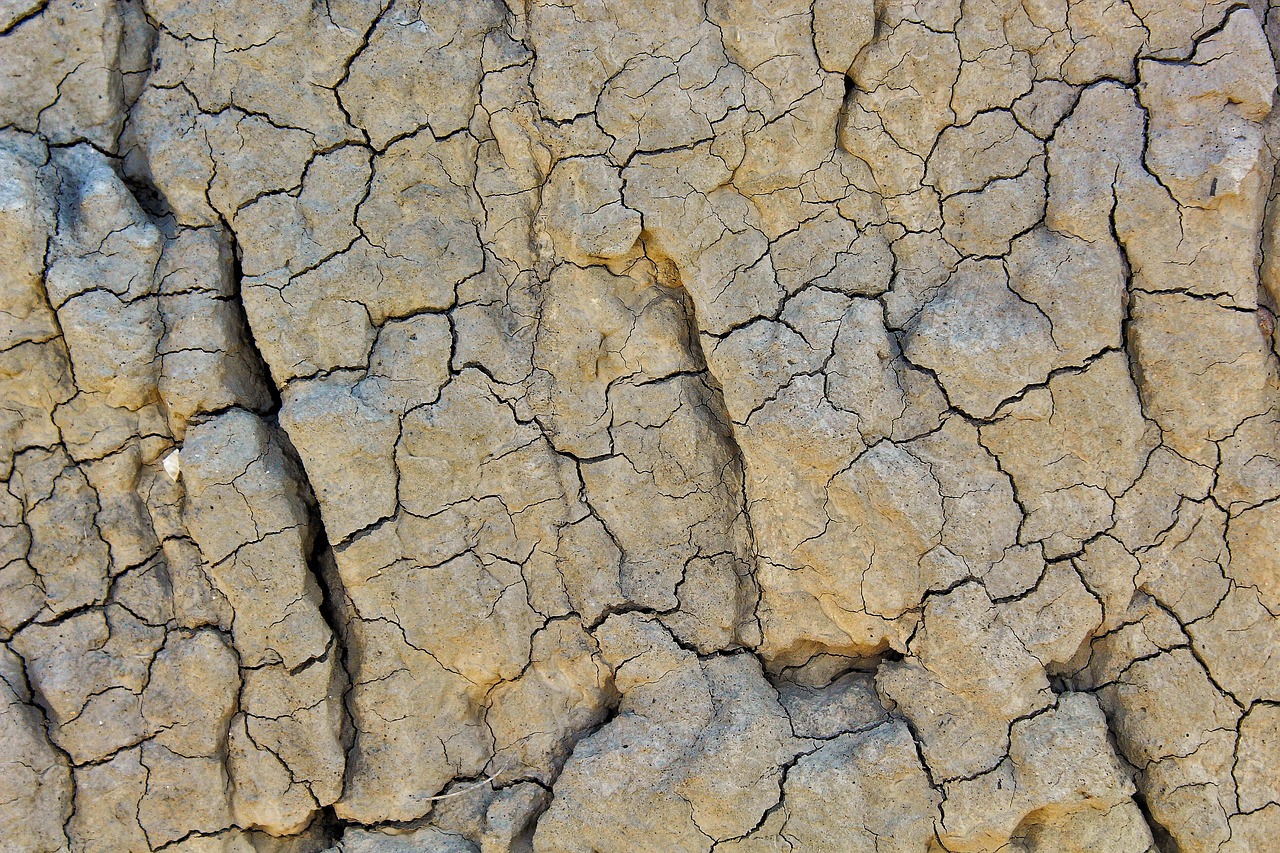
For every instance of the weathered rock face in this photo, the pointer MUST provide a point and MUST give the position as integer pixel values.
(614, 426)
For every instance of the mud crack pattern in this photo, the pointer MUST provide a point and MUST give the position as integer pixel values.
(735, 426)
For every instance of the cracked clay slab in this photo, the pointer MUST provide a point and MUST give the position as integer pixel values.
(608, 426)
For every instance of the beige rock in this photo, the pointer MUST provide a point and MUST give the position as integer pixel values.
(100, 280)
(1185, 763)
(596, 330)
(661, 102)
(427, 838)
(849, 703)
(191, 380)
(348, 448)
(537, 718)
(1149, 507)
(1070, 456)
(393, 767)
(36, 784)
(1141, 710)
(769, 163)
(919, 520)
(28, 209)
(1147, 631)
(1122, 827)
(1184, 568)
(1079, 286)
(298, 232)
(1060, 765)
(1110, 573)
(967, 678)
(861, 792)
(1252, 831)
(890, 506)
(1045, 106)
(409, 364)
(991, 147)
(511, 818)
(183, 794)
(983, 342)
(407, 37)
(912, 117)
(971, 495)
(191, 694)
(250, 156)
(672, 455)
(860, 266)
(107, 799)
(1195, 795)
(1247, 465)
(1213, 181)
(1097, 143)
(1237, 642)
(89, 671)
(1199, 389)
(708, 232)
(857, 378)
(696, 750)
(1259, 740)
(64, 63)
(64, 549)
(841, 29)
(1104, 38)
(1057, 617)
(261, 57)
(409, 257)
(161, 147)
(246, 512)
(36, 379)
(1253, 558)
(584, 212)
(984, 222)
(923, 262)
(1197, 165)
(286, 756)
(579, 426)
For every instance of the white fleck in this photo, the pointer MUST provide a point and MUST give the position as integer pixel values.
(173, 465)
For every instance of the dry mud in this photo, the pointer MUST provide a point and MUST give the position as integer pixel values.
(610, 426)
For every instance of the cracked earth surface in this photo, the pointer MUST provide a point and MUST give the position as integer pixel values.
(603, 425)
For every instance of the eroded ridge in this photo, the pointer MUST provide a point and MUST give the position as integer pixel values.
(581, 426)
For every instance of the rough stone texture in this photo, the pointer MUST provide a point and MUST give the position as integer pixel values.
(820, 425)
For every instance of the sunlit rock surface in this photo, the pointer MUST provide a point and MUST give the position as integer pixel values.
(604, 426)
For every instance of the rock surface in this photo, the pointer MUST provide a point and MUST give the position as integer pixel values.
(584, 426)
